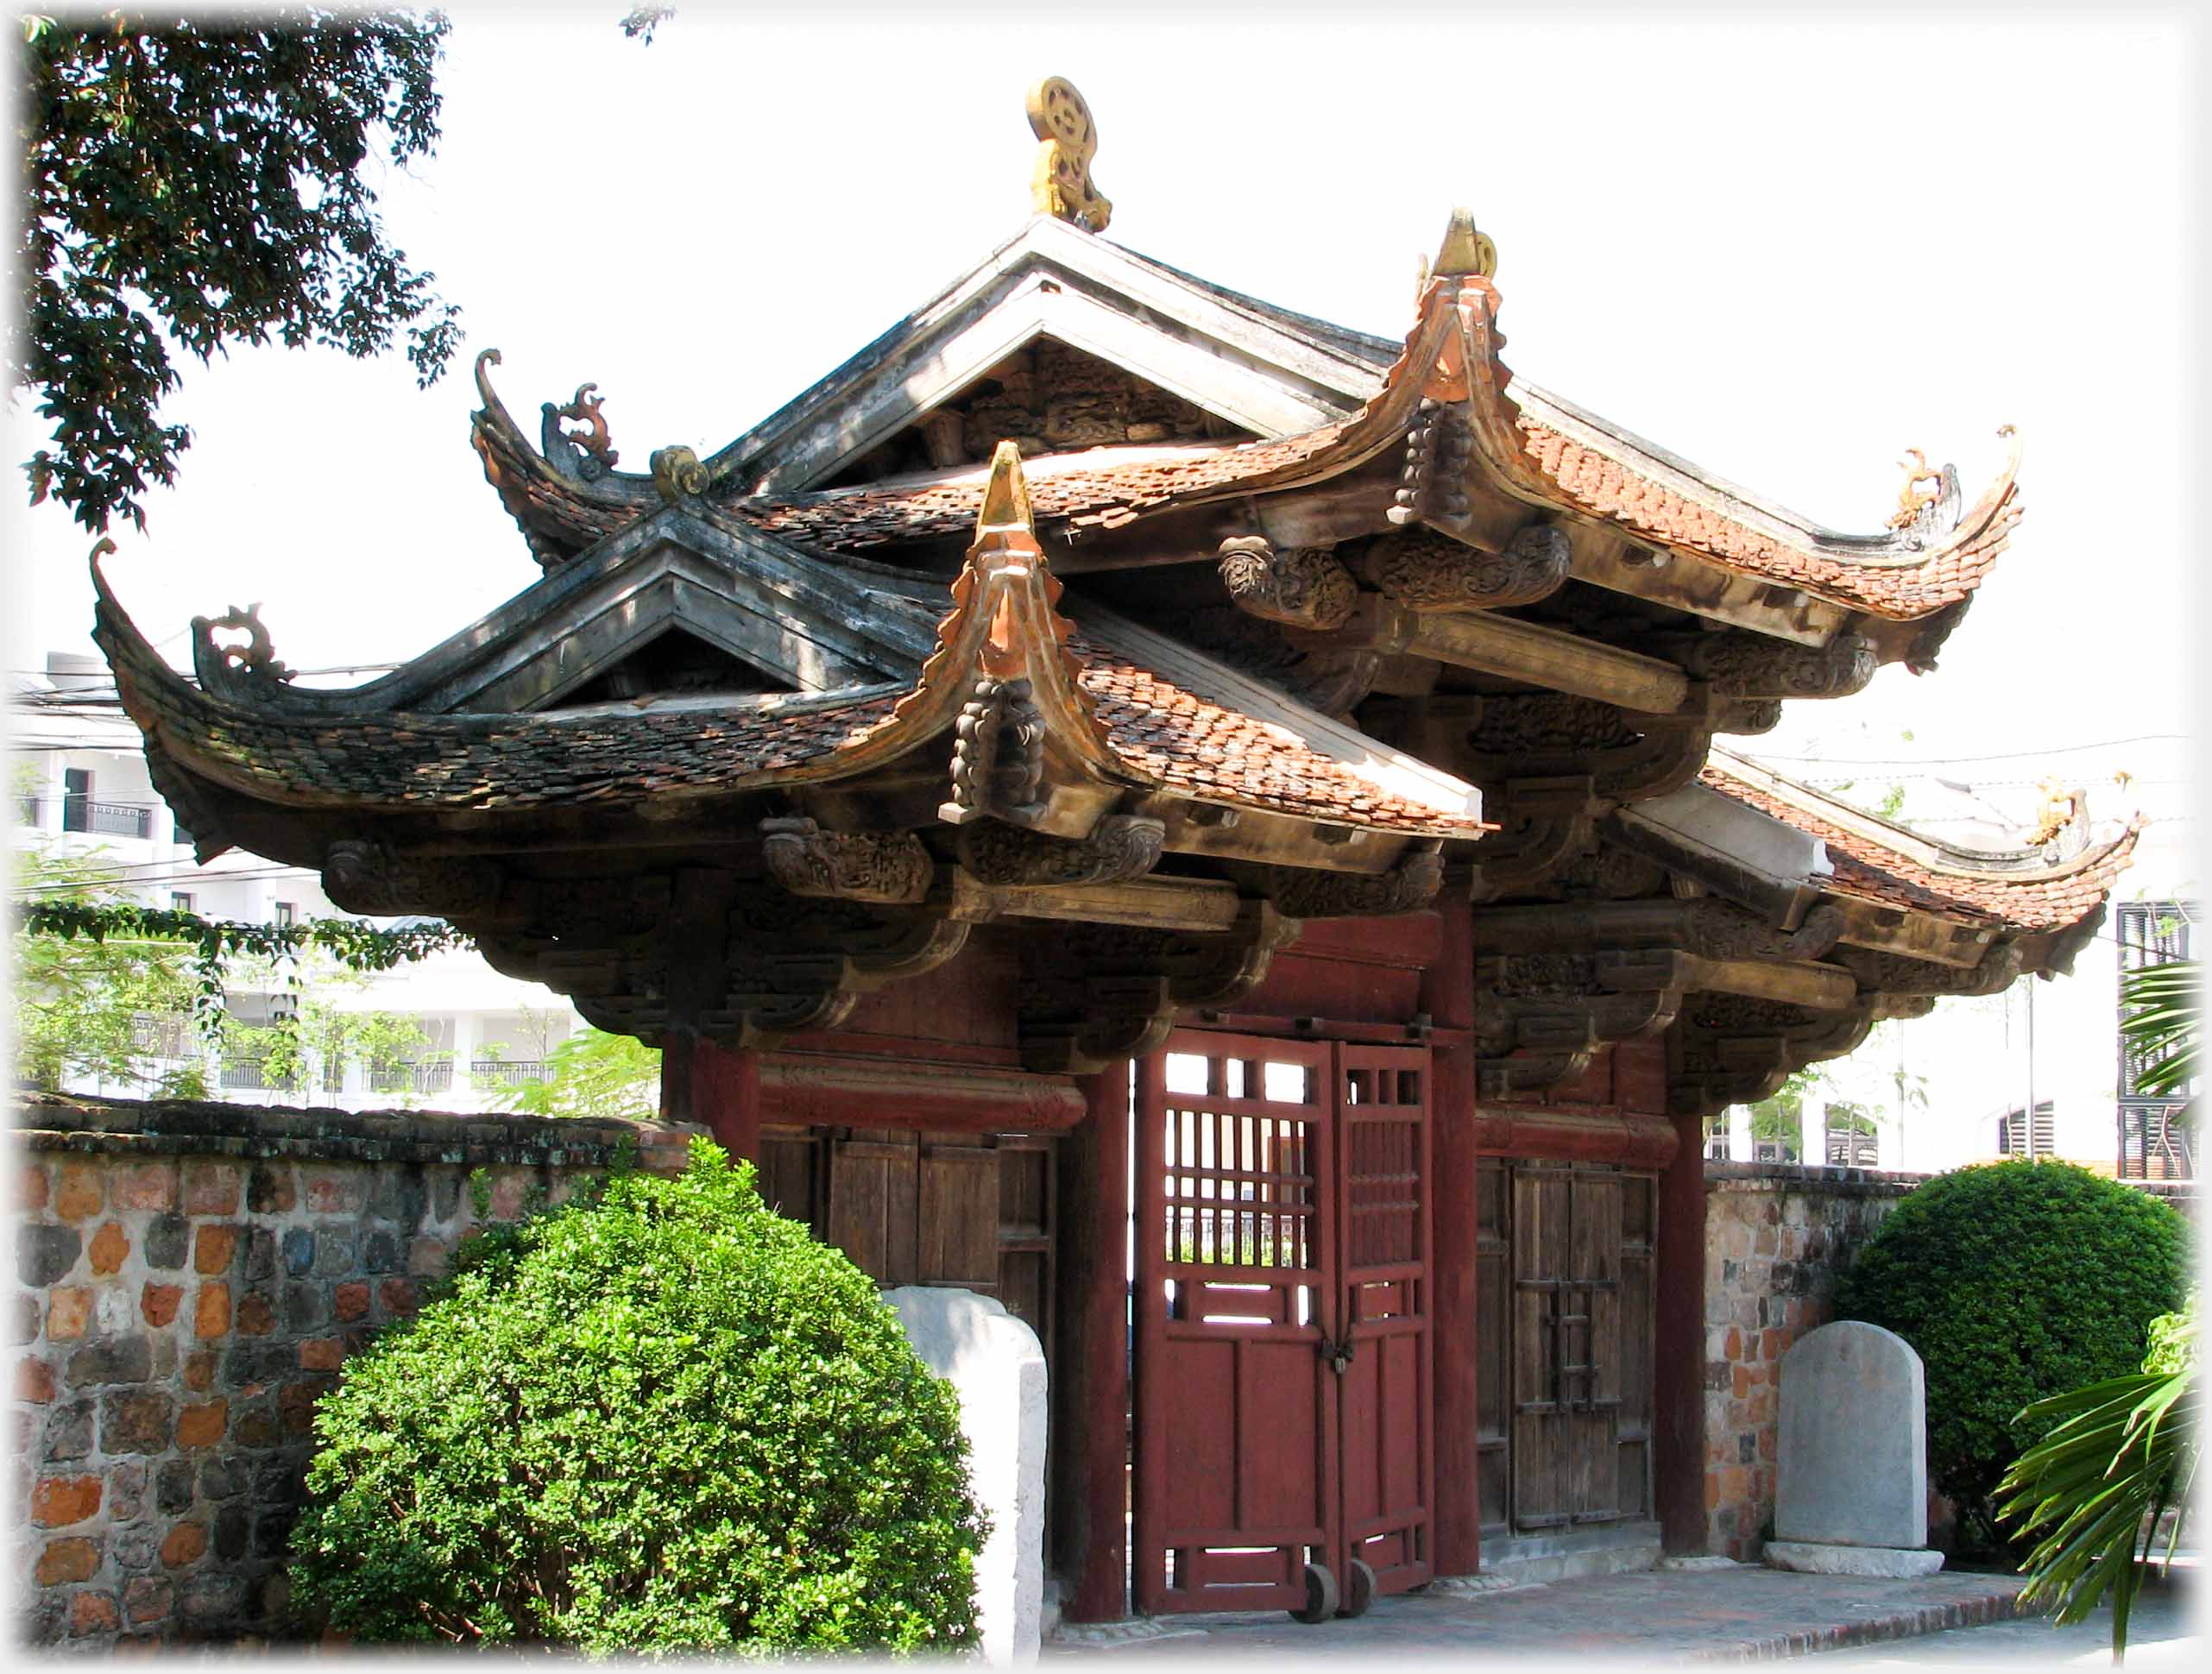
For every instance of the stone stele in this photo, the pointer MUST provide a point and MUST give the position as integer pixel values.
(1851, 1489)
(995, 1366)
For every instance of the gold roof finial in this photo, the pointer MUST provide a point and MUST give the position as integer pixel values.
(1006, 495)
(1911, 497)
(1465, 250)
(1061, 186)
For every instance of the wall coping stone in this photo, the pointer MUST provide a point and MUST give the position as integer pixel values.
(1809, 1177)
(80, 1124)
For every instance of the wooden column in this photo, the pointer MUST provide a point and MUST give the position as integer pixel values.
(1090, 1396)
(719, 1089)
(1447, 994)
(1678, 1355)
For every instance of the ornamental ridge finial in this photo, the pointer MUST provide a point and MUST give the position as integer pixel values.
(1061, 184)
(1006, 495)
(1911, 497)
(1465, 251)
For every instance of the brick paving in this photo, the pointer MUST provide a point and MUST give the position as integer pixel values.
(1743, 1613)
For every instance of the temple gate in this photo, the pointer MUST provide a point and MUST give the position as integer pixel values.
(1109, 687)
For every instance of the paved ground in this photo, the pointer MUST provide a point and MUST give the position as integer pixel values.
(1677, 1616)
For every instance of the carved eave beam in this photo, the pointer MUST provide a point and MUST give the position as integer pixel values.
(1945, 938)
(1898, 974)
(1096, 994)
(1629, 756)
(1739, 664)
(1511, 649)
(1701, 945)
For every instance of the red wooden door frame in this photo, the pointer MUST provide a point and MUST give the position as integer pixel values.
(1245, 1424)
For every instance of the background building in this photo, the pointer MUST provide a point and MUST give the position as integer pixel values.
(81, 789)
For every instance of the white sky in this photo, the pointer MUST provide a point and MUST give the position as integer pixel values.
(1785, 250)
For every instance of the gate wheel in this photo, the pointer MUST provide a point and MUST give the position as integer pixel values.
(1320, 1595)
(1360, 1593)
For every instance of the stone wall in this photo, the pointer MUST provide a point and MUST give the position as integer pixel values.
(189, 1279)
(1778, 1237)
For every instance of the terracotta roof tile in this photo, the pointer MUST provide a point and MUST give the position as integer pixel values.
(421, 762)
(2045, 898)
(1599, 483)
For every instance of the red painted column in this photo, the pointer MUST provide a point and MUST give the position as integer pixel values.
(1678, 1355)
(1091, 1388)
(1448, 996)
(715, 1087)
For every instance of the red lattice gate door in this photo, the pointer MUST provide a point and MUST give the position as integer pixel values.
(1283, 1447)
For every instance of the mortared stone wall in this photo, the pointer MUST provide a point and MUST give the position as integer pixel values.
(189, 1278)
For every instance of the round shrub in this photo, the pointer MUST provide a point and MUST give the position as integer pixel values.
(664, 1417)
(2014, 1281)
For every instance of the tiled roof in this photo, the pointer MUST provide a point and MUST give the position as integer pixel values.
(1162, 733)
(1219, 754)
(1606, 487)
(2032, 897)
(1577, 461)
(1106, 495)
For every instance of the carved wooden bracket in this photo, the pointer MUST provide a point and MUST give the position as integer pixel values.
(1093, 994)
(1301, 892)
(1422, 570)
(1737, 1050)
(1629, 756)
(740, 962)
(362, 875)
(888, 868)
(1298, 585)
(1119, 847)
(1540, 1019)
(1545, 824)
(1742, 664)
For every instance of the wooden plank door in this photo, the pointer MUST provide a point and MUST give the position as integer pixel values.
(1236, 1435)
(1385, 1403)
(1579, 1366)
(1542, 1496)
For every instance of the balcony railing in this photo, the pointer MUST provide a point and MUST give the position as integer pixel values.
(105, 819)
(508, 1071)
(252, 1075)
(410, 1077)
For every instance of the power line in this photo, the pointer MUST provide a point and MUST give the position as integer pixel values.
(1956, 761)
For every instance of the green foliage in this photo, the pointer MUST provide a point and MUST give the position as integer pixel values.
(209, 944)
(2014, 1282)
(201, 181)
(84, 1007)
(666, 1419)
(596, 1074)
(2162, 1026)
(2123, 1453)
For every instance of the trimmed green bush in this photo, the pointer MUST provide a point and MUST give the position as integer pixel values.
(2014, 1282)
(664, 1418)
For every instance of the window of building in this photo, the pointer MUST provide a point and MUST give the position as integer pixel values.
(2156, 1141)
(283, 916)
(180, 901)
(1852, 1141)
(2017, 1136)
(75, 799)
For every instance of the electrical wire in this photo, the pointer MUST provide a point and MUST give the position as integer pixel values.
(1957, 761)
